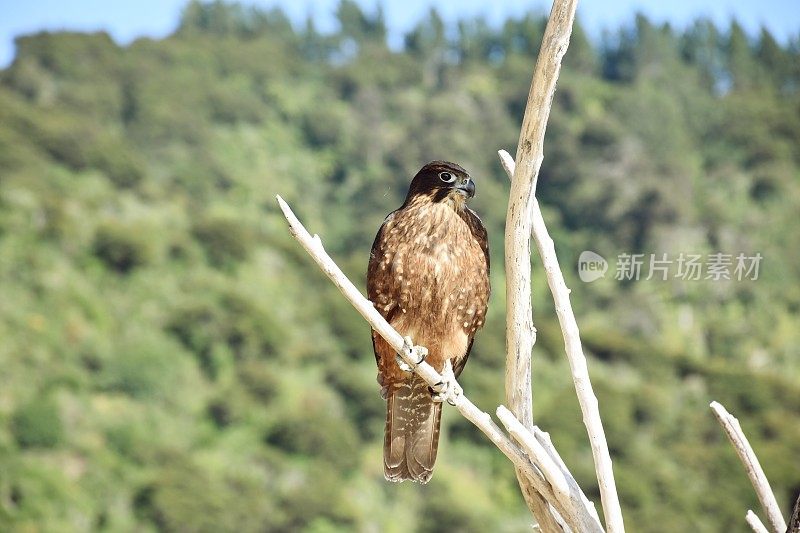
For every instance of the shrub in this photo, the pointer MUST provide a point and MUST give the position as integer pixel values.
(144, 367)
(224, 240)
(121, 247)
(121, 164)
(38, 424)
(316, 429)
(226, 324)
(186, 497)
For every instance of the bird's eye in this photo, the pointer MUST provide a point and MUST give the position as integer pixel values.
(446, 177)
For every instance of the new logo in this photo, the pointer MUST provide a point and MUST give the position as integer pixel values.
(591, 266)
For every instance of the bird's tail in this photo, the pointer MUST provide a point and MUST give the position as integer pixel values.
(411, 439)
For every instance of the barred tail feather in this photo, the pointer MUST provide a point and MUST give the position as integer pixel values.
(411, 439)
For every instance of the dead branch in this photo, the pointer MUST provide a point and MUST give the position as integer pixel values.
(568, 516)
(544, 439)
(755, 522)
(550, 491)
(533, 448)
(565, 487)
(751, 465)
(576, 358)
(520, 333)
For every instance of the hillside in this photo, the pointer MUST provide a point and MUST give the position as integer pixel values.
(173, 361)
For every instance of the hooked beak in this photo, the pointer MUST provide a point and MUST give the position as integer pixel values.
(466, 187)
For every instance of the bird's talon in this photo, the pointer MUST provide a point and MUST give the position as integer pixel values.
(405, 367)
(457, 391)
(422, 353)
(416, 354)
(450, 392)
(448, 388)
(438, 391)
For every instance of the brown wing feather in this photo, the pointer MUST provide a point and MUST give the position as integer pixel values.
(380, 290)
(482, 286)
(479, 232)
(461, 363)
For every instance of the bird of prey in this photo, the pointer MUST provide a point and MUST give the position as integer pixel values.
(428, 276)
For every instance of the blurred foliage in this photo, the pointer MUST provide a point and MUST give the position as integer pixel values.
(173, 361)
(38, 424)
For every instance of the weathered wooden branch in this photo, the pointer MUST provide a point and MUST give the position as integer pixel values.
(520, 333)
(533, 448)
(755, 523)
(544, 439)
(576, 358)
(751, 465)
(564, 486)
(570, 513)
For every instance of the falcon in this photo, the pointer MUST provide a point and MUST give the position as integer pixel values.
(428, 275)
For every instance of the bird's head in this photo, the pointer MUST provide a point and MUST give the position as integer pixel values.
(441, 181)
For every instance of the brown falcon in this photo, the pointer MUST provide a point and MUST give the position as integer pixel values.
(428, 275)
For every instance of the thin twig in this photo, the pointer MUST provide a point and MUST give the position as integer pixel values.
(755, 522)
(578, 519)
(577, 361)
(751, 465)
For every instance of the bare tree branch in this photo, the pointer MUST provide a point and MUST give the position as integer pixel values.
(577, 360)
(552, 494)
(567, 517)
(564, 486)
(520, 333)
(533, 448)
(755, 522)
(751, 465)
(544, 439)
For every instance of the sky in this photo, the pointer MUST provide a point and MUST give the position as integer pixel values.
(126, 20)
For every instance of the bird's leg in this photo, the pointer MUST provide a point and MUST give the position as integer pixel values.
(416, 353)
(447, 387)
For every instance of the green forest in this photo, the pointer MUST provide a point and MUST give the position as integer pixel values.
(172, 360)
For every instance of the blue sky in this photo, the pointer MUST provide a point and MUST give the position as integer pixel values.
(126, 20)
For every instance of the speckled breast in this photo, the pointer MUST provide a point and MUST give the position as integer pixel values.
(438, 268)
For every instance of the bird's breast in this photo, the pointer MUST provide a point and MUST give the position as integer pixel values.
(434, 260)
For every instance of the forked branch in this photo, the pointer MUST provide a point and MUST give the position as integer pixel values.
(577, 361)
(520, 333)
(549, 489)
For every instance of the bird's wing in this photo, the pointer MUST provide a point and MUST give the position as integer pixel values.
(381, 290)
(479, 231)
(480, 287)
